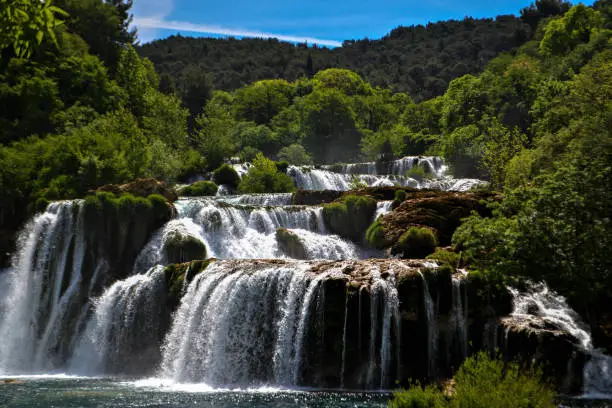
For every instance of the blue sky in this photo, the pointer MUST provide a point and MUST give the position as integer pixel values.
(316, 21)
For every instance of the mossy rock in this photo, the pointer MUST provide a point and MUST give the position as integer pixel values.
(226, 175)
(282, 166)
(179, 276)
(350, 217)
(179, 247)
(416, 243)
(291, 244)
(200, 189)
(375, 235)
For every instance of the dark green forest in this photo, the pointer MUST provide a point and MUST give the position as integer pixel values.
(524, 102)
(418, 60)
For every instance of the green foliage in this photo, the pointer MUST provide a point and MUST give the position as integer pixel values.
(265, 177)
(417, 242)
(356, 183)
(295, 154)
(25, 24)
(351, 217)
(482, 382)
(226, 175)
(199, 189)
(577, 26)
(418, 396)
(419, 173)
(419, 60)
(446, 257)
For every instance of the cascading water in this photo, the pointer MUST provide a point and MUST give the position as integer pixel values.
(126, 328)
(45, 287)
(459, 317)
(248, 232)
(432, 329)
(539, 302)
(341, 177)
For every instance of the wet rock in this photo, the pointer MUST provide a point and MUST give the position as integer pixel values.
(312, 197)
(290, 244)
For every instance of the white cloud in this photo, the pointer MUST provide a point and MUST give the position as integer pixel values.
(145, 24)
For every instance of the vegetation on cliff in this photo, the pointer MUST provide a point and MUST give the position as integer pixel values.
(350, 217)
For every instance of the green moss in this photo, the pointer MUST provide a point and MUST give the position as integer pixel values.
(179, 248)
(445, 257)
(226, 175)
(400, 195)
(417, 242)
(200, 189)
(419, 173)
(351, 217)
(375, 235)
(291, 244)
(178, 276)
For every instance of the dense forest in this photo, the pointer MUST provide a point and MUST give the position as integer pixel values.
(80, 108)
(418, 60)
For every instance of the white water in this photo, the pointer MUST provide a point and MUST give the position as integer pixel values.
(249, 232)
(539, 302)
(44, 286)
(459, 316)
(432, 329)
(340, 177)
(126, 322)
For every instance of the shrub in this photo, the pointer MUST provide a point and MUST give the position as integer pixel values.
(248, 154)
(375, 235)
(199, 189)
(482, 382)
(351, 217)
(356, 183)
(264, 177)
(400, 197)
(418, 396)
(282, 166)
(295, 154)
(444, 256)
(417, 242)
(419, 173)
(226, 175)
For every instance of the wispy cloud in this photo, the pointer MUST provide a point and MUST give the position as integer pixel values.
(157, 23)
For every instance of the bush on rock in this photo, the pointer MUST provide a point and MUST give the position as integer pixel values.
(200, 189)
(417, 242)
(351, 217)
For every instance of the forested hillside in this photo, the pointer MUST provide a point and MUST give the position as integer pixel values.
(419, 60)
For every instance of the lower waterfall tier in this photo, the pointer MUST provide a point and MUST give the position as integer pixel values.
(325, 324)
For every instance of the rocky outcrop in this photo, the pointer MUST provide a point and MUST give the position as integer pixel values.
(371, 323)
(142, 188)
(314, 197)
(441, 212)
(532, 340)
(350, 217)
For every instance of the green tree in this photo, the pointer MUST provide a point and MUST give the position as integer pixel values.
(262, 101)
(214, 137)
(264, 177)
(295, 154)
(577, 26)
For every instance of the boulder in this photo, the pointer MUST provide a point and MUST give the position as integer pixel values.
(142, 188)
(290, 244)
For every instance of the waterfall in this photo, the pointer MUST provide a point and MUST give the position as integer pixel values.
(124, 332)
(432, 329)
(45, 286)
(259, 199)
(539, 302)
(249, 232)
(229, 318)
(459, 316)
